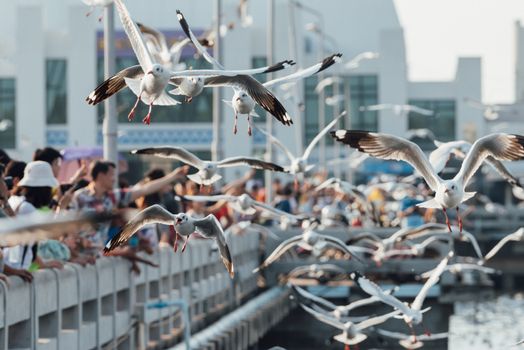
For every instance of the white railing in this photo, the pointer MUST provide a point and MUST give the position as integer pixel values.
(107, 305)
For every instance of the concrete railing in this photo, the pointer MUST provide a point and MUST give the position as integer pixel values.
(107, 305)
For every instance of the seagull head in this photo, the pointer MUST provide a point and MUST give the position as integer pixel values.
(157, 70)
(450, 188)
(240, 97)
(180, 218)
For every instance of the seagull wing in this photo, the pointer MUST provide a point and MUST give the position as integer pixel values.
(251, 162)
(499, 146)
(394, 335)
(194, 40)
(337, 243)
(135, 37)
(277, 142)
(320, 135)
(114, 84)
(432, 280)
(419, 110)
(374, 290)
(209, 227)
(515, 236)
(316, 299)
(323, 318)
(373, 321)
(152, 214)
(177, 153)
(217, 198)
(304, 73)
(160, 38)
(257, 91)
(280, 250)
(272, 210)
(386, 146)
(503, 171)
(35, 227)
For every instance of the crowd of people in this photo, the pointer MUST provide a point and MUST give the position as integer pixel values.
(26, 188)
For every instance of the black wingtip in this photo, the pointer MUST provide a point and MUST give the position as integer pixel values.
(329, 61)
(279, 66)
(183, 23)
(355, 276)
(350, 137)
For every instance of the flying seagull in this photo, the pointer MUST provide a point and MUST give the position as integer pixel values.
(516, 236)
(183, 224)
(448, 193)
(409, 341)
(207, 170)
(398, 109)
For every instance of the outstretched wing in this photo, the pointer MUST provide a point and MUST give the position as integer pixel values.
(277, 142)
(152, 214)
(384, 146)
(251, 162)
(114, 84)
(321, 134)
(177, 153)
(209, 227)
(499, 146)
(432, 280)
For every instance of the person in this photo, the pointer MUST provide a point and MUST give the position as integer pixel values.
(50, 156)
(4, 157)
(99, 195)
(33, 193)
(15, 171)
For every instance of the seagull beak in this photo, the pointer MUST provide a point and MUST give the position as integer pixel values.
(150, 72)
(446, 190)
(238, 99)
(178, 221)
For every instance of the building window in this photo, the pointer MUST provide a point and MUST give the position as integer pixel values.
(363, 92)
(311, 105)
(7, 113)
(442, 123)
(56, 91)
(198, 111)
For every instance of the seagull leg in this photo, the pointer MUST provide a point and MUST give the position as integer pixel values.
(235, 129)
(131, 114)
(91, 9)
(185, 244)
(249, 125)
(147, 119)
(295, 183)
(413, 332)
(189, 99)
(101, 17)
(447, 219)
(459, 221)
(346, 347)
(173, 232)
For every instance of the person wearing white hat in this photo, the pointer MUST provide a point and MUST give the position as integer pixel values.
(34, 192)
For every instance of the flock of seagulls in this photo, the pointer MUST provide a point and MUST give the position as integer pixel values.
(160, 67)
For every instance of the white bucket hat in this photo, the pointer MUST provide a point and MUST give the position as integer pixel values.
(38, 174)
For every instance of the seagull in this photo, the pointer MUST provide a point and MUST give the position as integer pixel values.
(516, 236)
(96, 3)
(412, 314)
(148, 80)
(409, 341)
(461, 267)
(307, 240)
(38, 226)
(338, 311)
(183, 224)
(351, 332)
(243, 204)
(440, 156)
(246, 20)
(315, 271)
(299, 165)
(491, 111)
(5, 124)
(206, 174)
(398, 109)
(448, 193)
(416, 249)
(242, 227)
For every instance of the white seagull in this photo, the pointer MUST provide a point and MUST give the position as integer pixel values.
(244, 204)
(461, 267)
(440, 156)
(299, 165)
(351, 332)
(412, 314)
(409, 341)
(307, 240)
(491, 111)
(448, 193)
(398, 109)
(516, 236)
(183, 224)
(315, 271)
(207, 170)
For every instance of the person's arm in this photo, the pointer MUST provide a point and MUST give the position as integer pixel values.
(157, 185)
